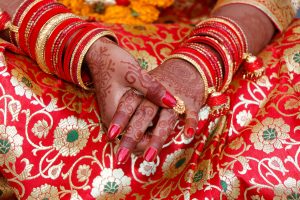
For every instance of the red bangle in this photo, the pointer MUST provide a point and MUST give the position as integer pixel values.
(50, 42)
(214, 64)
(77, 37)
(16, 18)
(197, 57)
(211, 75)
(26, 22)
(226, 57)
(4, 19)
(60, 45)
(80, 52)
(220, 36)
(35, 30)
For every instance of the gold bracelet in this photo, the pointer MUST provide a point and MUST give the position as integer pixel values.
(201, 50)
(22, 18)
(44, 34)
(242, 37)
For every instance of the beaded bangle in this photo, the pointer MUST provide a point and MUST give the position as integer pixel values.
(16, 18)
(26, 21)
(44, 30)
(226, 57)
(43, 36)
(49, 46)
(203, 61)
(34, 30)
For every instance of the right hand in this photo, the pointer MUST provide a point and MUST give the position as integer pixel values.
(114, 72)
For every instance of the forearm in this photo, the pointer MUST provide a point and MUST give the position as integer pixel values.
(256, 25)
(10, 6)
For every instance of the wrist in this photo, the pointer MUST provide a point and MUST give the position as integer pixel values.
(195, 79)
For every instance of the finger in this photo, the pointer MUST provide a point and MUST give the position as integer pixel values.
(136, 129)
(191, 123)
(127, 106)
(152, 89)
(161, 132)
(142, 145)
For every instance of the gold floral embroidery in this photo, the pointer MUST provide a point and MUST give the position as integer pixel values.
(292, 59)
(111, 184)
(230, 184)
(10, 145)
(270, 134)
(44, 192)
(176, 162)
(71, 136)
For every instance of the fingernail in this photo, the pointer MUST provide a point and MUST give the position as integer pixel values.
(169, 100)
(150, 154)
(113, 132)
(190, 132)
(122, 155)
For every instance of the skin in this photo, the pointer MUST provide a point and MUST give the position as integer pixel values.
(115, 73)
(258, 30)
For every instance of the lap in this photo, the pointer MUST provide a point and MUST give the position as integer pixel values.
(52, 140)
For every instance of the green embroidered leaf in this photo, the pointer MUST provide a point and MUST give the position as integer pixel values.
(296, 57)
(4, 146)
(198, 176)
(269, 134)
(224, 185)
(111, 187)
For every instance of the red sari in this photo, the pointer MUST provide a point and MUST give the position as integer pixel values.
(52, 144)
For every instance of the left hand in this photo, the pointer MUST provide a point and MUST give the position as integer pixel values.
(183, 80)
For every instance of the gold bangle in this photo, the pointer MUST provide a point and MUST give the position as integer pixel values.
(22, 18)
(84, 51)
(242, 32)
(230, 23)
(44, 34)
(200, 49)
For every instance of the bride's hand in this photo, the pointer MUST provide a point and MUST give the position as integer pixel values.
(183, 80)
(114, 72)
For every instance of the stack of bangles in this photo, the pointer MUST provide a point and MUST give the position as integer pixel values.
(42, 29)
(212, 39)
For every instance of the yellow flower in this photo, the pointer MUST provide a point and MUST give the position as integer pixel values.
(137, 13)
(158, 3)
(119, 14)
(147, 13)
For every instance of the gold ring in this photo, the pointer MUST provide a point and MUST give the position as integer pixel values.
(180, 107)
(138, 93)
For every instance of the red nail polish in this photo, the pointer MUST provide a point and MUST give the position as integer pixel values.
(150, 154)
(122, 155)
(113, 132)
(190, 132)
(169, 100)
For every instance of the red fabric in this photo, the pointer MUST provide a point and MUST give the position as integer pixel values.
(52, 145)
